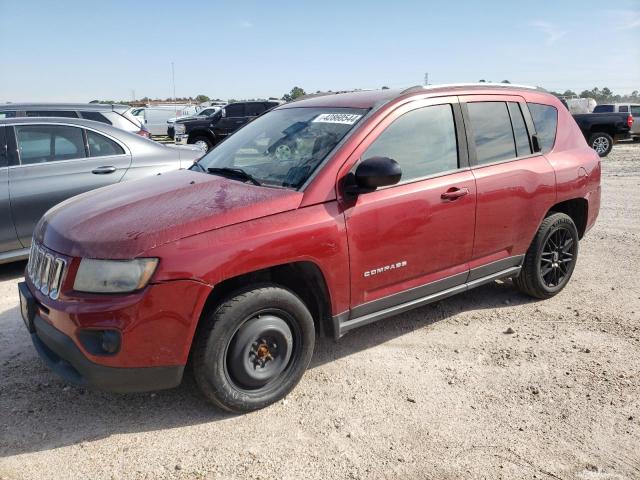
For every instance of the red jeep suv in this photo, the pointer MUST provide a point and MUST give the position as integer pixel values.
(316, 218)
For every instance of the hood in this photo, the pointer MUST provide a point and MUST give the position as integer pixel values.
(126, 219)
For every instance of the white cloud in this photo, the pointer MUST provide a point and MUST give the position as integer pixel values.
(628, 20)
(551, 32)
(246, 24)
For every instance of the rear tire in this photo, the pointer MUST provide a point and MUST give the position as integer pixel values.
(253, 348)
(551, 258)
(602, 143)
(203, 142)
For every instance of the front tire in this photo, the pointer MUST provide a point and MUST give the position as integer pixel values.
(203, 142)
(602, 143)
(551, 258)
(253, 348)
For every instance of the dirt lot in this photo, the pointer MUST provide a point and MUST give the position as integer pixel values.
(438, 393)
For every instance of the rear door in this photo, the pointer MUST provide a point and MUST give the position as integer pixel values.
(8, 237)
(515, 186)
(55, 162)
(234, 118)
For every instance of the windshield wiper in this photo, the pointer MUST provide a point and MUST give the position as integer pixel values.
(237, 173)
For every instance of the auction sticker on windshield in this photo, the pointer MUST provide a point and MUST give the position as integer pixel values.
(345, 118)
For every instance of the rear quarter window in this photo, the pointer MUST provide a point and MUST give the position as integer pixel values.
(545, 119)
(96, 116)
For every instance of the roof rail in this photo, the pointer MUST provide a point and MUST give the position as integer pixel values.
(418, 88)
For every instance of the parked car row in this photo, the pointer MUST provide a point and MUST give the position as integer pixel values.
(603, 130)
(120, 116)
(44, 161)
(631, 108)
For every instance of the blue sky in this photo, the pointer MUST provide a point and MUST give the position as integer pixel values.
(80, 50)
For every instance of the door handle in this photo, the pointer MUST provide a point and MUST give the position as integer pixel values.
(104, 170)
(454, 193)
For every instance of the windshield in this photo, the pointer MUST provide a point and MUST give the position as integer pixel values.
(282, 148)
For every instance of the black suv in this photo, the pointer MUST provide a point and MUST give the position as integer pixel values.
(209, 131)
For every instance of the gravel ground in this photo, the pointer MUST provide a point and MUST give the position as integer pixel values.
(441, 392)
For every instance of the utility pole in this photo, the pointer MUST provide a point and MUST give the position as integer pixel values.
(426, 78)
(173, 80)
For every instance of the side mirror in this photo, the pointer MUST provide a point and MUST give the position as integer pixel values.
(372, 173)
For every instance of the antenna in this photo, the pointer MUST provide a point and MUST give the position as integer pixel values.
(426, 78)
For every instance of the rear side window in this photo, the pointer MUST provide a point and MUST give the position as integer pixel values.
(234, 110)
(603, 109)
(254, 109)
(96, 117)
(545, 119)
(100, 146)
(51, 113)
(635, 110)
(492, 133)
(520, 133)
(422, 141)
(49, 143)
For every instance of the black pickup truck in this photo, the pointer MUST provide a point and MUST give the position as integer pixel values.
(209, 131)
(602, 130)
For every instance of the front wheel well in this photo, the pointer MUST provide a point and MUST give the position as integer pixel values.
(305, 279)
(577, 209)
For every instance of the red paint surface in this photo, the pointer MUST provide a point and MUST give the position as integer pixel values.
(215, 229)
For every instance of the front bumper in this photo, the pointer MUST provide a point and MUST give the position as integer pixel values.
(156, 327)
(181, 139)
(62, 355)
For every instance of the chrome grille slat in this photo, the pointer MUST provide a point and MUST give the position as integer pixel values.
(45, 270)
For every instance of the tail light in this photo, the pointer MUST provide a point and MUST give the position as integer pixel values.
(143, 132)
(630, 120)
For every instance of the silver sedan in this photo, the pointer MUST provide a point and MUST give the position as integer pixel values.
(44, 161)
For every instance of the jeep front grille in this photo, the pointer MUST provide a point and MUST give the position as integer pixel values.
(45, 270)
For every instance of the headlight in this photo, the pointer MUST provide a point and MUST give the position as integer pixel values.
(179, 128)
(114, 276)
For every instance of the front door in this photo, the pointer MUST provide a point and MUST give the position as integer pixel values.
(8, 237)
(56, 162)
(415, 238)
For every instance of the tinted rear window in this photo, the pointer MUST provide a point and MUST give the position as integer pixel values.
(52, 113)
(95, 116)
(491, 127)
(603, 109)
(545, 119)
(7, 114)
(234, 110)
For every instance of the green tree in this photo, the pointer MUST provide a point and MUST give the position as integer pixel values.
(385, 87)
(202, 98)
(295, 93)
(505, 81)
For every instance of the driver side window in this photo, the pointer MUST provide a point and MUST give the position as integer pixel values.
(422, 141)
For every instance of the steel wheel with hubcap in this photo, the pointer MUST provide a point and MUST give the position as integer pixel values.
(253, 348)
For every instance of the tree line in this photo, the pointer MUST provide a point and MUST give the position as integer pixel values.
(604, 95)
